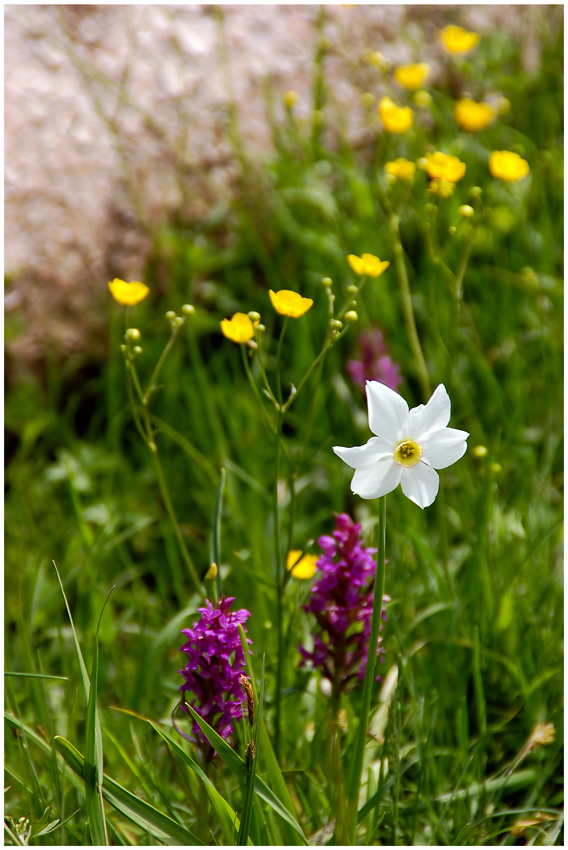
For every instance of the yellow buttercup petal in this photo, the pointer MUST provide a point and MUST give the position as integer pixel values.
(396, 119)
(289, 303)
(239, 329)
(508, 166)
(402, 169)
(301, 567)
(444, 166)
(367, 264)
(473, 116)
(128, 293)
(412, 76)
(458, 40)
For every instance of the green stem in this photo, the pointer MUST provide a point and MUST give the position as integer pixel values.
(158, 367)
(321, 355)
(263, 371)
(407, 309)
(170, 509)
(279, 589)
(356, 767)
(255, 390)
(151, 443)
(278, 358)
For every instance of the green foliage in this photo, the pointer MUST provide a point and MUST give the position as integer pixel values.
(475, 623)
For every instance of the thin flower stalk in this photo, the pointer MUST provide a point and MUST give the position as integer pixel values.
(353, 783)
(407, 308)
(147, 432)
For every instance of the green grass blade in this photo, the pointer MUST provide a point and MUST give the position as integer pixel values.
(82, 665)
(71, 775)
(253, 755)
(93, 770)
(274, 773)
(237, 765)
(34, 675)
(227, 816)
(141, 813)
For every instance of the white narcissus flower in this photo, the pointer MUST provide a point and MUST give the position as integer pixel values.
(409, 446)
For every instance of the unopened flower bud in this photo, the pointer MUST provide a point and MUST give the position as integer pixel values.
(290, 98)
(177, 321)
(254, 316)
(351, 289)
(466, 210)
(503, 105)
(326, 281)
(423, 98)
(137, 349)
(212, 571)
(351, 316)
(170, 315)
(152, 446)
(353, 304)
(476, 191)
(368, 99)
(390, 178)
(188, 309)
(480, 451)
(132, 334)
(123, 348)
(336, 324)
(495, 468)
(422, 163)
(451, 230)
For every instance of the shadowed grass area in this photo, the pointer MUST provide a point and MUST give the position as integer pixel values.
(473, 642)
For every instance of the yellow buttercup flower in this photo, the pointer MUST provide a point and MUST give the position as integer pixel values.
(412, 76)
(238, 329)
(402, 169)
(128, 293)
(508, 166)
(301, 567)
(473, 116)
(289, 303)
(397, 119)
(367, 264)
(458, 40)
(444, 166)
(440, 187)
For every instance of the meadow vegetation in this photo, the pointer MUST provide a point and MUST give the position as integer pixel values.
(465, 732)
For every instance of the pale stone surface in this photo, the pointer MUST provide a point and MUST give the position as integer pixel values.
(117, 115)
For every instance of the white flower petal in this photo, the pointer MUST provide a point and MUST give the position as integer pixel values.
(442, 448)
(383, 477)
(388, 412)
(363, 457)
(420, 484)
(430, 417)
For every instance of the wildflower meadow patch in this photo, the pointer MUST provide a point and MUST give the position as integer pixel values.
(226, 622)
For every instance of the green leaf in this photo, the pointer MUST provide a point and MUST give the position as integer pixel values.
(227, 817)
(141, 813)
(254, 744)
(272, 767)
(237, 765)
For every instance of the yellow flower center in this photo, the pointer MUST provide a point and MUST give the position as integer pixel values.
(408, 454)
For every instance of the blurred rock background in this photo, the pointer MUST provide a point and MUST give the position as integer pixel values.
(119, 119)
